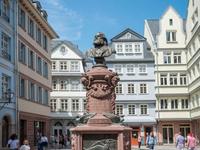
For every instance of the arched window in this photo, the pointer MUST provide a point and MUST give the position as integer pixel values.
(58, 124)
(5, 131)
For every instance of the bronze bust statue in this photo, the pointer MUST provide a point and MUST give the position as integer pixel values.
(100, 50)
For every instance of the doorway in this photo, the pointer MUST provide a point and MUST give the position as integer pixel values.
(168, 133)
(5, 131)
(134, 139)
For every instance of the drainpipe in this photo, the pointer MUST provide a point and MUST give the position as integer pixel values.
(16, 69)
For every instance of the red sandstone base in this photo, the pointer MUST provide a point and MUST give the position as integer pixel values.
(123, 135)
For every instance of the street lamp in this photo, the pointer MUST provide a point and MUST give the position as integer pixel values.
(7, 97)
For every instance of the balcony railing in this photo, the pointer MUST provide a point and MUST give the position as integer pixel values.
(5, 54)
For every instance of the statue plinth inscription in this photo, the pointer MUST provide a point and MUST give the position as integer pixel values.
(100, 128)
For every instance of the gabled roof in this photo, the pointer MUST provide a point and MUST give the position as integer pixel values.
(56, 43)
(135, 37)
(153, 26)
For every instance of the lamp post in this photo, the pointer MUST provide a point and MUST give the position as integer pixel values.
(7, 97)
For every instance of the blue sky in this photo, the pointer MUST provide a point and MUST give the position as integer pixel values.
(79, 20)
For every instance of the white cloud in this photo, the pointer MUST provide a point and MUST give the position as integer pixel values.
(66, 22)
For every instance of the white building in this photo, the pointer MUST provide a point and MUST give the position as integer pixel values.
(175, 43)
(68, 95)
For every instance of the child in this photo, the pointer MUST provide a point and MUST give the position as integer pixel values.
(25, 145)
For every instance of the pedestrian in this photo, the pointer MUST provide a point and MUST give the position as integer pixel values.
(62, 141)
(44, 142)
(38, 139)
(13, 142)
(25, 145)
(147, 140)
(139, 141)
(151, 141)
(191, 142)
(180, 142)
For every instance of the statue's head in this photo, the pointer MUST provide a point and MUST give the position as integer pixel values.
(100, 40)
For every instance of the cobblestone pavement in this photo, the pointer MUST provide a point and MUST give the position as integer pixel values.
(162, 147)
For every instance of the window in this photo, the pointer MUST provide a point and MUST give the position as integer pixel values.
(54, 84)
(143, 88)
(84, 105)
(128, 48)
(31, 91)
(173, 79)
(130, 68)
(118, 68)
(75, 86)
(177, 58)
(38, 35)
(63, 66)
(39, 65)
(22, 53)
(142, 68)
(45, 42)
(167, 58)
(183, 79)
(131, 109)
(39, 94)
(6, 81)
(137, 48)
(118, 88)
(184, 104)
(5, 46)
(31, 59)
(30, 27)
(131, 89)
(53, 65)
(119, 48)
(171, 36)
(119, 109)
(75, 104)
(170, 22)
(22, 88)
(45, 97)
(64, 104)
(74, 66)
(6, 10)
(22, 19)
(143, 109)
(45, 70)
(64, 85)
(174, 104)
(53, 104)
(163, 104)
(163, 79)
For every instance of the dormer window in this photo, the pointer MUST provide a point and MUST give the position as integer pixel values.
(170, 22)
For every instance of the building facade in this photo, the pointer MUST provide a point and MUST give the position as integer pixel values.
(174, 43)
(193, 62)
(7, 69)
(135, 92)
(33, 65)
(68, 96)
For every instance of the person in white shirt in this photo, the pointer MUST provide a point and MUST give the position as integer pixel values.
(25, 145)
(13, 142)
(44, 141)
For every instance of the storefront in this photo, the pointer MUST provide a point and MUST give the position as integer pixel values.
(31, 125)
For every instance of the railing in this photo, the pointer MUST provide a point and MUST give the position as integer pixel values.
(5, 54)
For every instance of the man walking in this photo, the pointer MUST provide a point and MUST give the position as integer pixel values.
(180, 142)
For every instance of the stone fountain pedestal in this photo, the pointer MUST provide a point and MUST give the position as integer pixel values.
(100, 128)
